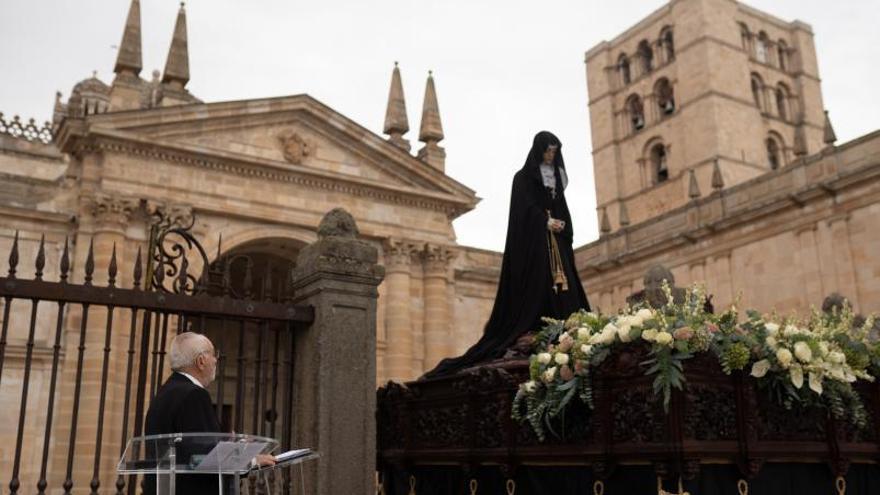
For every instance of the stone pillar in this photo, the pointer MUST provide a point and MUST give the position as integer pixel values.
(808, 258)
(698, 273)
(381, 337)
(335, 358)
(438, 341)
(398, 318)
(843, 259)
(105, 219)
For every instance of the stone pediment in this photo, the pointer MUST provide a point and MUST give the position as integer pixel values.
(295, 132)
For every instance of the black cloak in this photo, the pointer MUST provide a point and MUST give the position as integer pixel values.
(525, 290)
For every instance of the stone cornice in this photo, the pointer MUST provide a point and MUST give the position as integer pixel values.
(104, 140)
(30, 214)
(152, 120)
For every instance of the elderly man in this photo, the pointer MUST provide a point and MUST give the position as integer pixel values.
(183, 405)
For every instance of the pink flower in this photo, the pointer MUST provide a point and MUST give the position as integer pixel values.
(711, 327)
(565, 343)
(565, 373)
(578, 366)
(683, 333)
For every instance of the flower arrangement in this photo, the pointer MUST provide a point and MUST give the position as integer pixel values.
(800, 363)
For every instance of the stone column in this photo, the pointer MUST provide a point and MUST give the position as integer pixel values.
(398, 319)
(438, 342)
(335, 358)
(105, 220)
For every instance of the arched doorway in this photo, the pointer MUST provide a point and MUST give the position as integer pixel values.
(254, 358)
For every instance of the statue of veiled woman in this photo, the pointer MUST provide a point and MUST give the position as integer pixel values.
(538, 276)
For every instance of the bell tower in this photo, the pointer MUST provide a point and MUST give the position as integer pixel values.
(698, 96)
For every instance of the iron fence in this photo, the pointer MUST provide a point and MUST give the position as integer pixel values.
(252, 328)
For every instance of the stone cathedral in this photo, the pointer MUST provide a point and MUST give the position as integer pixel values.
(712, 150)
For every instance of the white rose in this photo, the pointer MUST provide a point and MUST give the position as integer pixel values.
(561, 358)
(836, 357)
(802, 352)
(608, 336)
(650, 334)
(549, 374)
(609, 329)
(772, 328)
(838, 374)
(544, 357)
(771, 342)
(645, 314)
(664, 338)
(529, 386)
(623, 332)
(784, 357)
(823, 348)
(790, 330)
(583, 333)
(760, 368)
(797, 376)
(586, 348)
(596, 339)
(816, 382)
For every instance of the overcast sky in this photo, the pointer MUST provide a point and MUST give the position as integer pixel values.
(504, 69)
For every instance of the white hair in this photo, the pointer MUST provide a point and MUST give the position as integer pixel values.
(186, 348)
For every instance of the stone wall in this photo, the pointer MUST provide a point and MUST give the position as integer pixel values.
(784, 240)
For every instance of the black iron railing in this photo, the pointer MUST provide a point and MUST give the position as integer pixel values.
(253, 336)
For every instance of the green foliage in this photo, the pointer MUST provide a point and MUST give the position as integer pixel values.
(734, 357)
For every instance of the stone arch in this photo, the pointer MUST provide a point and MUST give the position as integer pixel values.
(762, 48)
(775, 148)
(236, 236)
(623, 68)
(635, 110)
(667, 41)
(646, 56)
(665, 96)
(782, 55)
(267, 243)
(745, 36)
(656, 157)
(757, 90)
(782, 95)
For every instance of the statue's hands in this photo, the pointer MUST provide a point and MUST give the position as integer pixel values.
(554, 225)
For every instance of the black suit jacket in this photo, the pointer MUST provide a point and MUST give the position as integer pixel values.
(181, 406)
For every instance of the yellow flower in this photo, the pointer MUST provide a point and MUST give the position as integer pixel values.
(664, 338)
(784, 357)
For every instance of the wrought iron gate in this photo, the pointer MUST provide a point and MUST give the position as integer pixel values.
(252, 328)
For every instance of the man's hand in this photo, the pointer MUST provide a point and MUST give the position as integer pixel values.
(265, 460)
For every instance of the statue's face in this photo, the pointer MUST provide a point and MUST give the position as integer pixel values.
(656, 275)
(550, 154)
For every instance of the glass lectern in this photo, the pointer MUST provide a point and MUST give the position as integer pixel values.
(162, 458)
